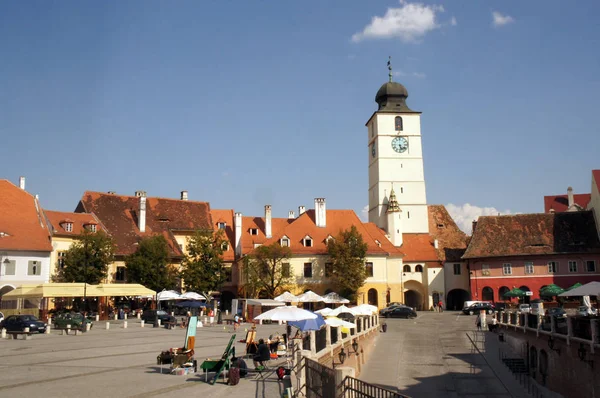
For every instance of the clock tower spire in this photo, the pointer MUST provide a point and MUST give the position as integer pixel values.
(396, 162)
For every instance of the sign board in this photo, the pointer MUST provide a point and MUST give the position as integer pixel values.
(529, 293)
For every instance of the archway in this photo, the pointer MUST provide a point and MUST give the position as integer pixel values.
(455, 300)
(7, 304)
(412, 298)
(372, 297)
(502, 291)
(406, 268)
(526, 299)
(226, 298)
(487, 294)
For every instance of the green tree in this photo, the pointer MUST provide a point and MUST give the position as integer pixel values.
(87, 259)
(347, 252)
(266, 269)
(150, 265)
(202, 268)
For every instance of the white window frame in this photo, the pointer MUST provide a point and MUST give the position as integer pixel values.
(92, 227)
(485, 269)
(285, 241)
(13, 264)
(69, 226)
(221, 225)
(35, 266)
(254, 231)
(572, 266)
(308, 241)
(529, 268)
(507, 269)
(586, 265)
(552, 267)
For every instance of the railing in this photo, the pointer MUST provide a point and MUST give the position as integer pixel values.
(582, 328)
(320, 380)
(355, 388)
(524, 379)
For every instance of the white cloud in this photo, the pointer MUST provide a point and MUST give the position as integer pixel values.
(465, 215)
(409, 22)
(364, 213)
(419, 75)
(453, 21)
(500, 19)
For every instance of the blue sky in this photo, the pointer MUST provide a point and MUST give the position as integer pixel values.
(248, 103)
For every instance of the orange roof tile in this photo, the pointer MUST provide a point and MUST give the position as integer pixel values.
(452, 241)
(418, 247)
(22, 223)
(225, 216)
(79, 220)
(560, 203)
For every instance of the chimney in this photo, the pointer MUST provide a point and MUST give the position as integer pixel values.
(474, 226)
(301, 210)
(139, 194)
(268, 221)
(22, 183)
(184, 195)
(320, 212)
(291, 214)
(237, 222)
(142, 215)
(570, 195)
(436, 244)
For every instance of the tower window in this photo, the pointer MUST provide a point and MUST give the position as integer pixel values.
(408, 214)
(401, 190)
(398, 123)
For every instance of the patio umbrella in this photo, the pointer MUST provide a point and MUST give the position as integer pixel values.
(515, 292)
(168, 295)
(589, 289)
(192, 296)
(309, 324)
(286, 313)
(191, 304)
(337, 322)
(365, 309)
(334, 298)
(286, 297)
(342, 310)
(324, 311)
(310, 297)
(575, 286)
(551, 290)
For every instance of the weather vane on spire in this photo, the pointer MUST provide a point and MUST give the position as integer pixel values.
(390, 67)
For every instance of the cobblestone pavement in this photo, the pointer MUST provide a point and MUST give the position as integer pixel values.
(121, 363)
(431, 356)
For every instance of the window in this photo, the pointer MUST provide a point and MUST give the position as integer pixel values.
(120, 274)
(328, 269)
(528, 267)
(9, 267)
(419, 268)
(406, 268)
(456, 269)
(408, 214)
(34, 268)
(308, 270)
(221, 225)
(68, 226)
(590, 266)
(285, 270)
(398, 123)
(401, 189)
(507, 269)
(369, 269)
(552, 267)
(253, 231)
(285, 242)
(308, 242)
(572, 266)
(92, 227)
(224, 246)
(485, 269)
(61, 259)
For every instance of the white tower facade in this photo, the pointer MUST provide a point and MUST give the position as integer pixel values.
(396, 161)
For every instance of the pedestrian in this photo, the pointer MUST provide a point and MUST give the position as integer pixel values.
(478, 322)
(440, 307)
(435, 307)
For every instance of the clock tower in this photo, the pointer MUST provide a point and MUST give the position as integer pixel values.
(396, 160)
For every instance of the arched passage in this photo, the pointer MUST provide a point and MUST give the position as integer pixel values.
(526, 299)
(372, 297)
(502, 291)
(455, 300)
(414, 296)
(7, 304)
(487, 294)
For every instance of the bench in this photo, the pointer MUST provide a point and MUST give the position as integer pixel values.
(15, 335)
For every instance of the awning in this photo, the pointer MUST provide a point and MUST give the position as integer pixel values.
(264, 302)
(123, 289)
(77, 290)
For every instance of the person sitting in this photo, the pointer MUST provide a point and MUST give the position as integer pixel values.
(274, 342)
(263, 354)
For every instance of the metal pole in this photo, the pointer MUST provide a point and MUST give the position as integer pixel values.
(85, 281)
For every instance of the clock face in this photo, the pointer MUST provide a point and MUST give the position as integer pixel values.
(373, 152)
(400, 144)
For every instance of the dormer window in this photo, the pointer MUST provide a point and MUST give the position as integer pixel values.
(329, 238)
(398, 124)
(225, 246)
(221, 225)
(3, 234)
(90, 227)
(285, 242)
(253, 231)
(307, 241)
(378, 243)
(68, 226)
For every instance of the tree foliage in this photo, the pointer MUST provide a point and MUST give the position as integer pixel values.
(150, 265)
(265, 271)
(87, 259)
(203, 270)
(347, 252)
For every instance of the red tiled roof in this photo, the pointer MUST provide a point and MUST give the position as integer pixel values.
(22, 220)
(452, 241)
(119, 215)
(534, 234)
(596, 177)
(560, 203)
(418, 247)
(258, 223)
(79, 220)
(225, 216)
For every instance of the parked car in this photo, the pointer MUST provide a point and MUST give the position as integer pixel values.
(401, 312)
(76, 320)
(524, 308)
(150, 316)
(556, 312)
(477, 307)
(586, 311)
(391, 307)
(499, 307)
(18, 323)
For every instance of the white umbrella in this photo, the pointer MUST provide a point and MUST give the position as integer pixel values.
(337, 322)
(334, 298)
(589, 289)
(286, 297)
(286, 313)
(192, 296)
(168, 295)
(366, 309)
(309, 297)
(342, 309)
(324, 311)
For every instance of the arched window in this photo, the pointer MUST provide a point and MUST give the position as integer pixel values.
(406, 268)
(419, 268)
(487, 294)
(398, 123)
(502, 291)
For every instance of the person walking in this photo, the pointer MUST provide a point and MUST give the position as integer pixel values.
(440, 307)
(478, 322)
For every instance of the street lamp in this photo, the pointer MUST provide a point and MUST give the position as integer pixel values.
(342, 357)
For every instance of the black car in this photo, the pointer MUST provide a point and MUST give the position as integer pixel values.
(401, 312)
(556, 312)
(18, 323)
(150, 316)
(392, 307)
(477, 307)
